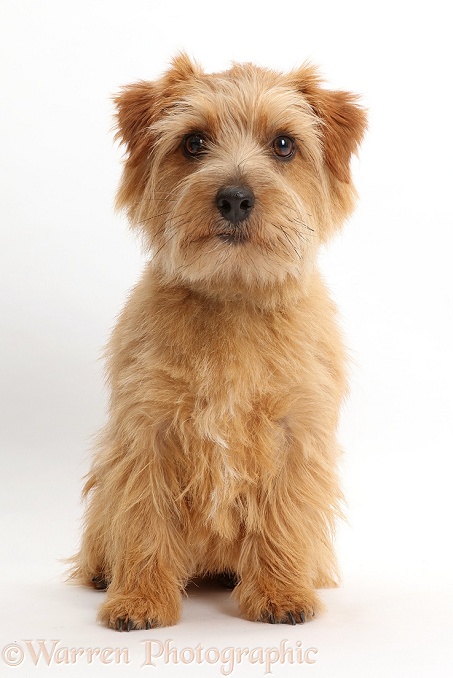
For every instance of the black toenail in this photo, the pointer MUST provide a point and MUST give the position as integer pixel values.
(291, 619)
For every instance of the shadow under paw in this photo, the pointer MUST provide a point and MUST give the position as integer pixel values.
(100, 582)
(228, 579)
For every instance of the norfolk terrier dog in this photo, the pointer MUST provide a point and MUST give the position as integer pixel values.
(226, 367)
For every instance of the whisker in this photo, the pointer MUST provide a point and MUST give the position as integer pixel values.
(292, 245)
(162, 246)
(303, 225)
(155, 216)
(282, 243)
(290, 241)
(298, 221)
(163, 214)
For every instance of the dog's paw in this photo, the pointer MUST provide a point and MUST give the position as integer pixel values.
(126, 613)
(273, 608)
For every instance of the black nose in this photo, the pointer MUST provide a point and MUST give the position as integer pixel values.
(235, 203)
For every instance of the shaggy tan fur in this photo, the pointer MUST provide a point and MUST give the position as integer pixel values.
(226, 367)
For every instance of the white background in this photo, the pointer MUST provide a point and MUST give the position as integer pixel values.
(67, 261)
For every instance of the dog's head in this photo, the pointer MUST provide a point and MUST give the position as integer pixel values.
(236, 176)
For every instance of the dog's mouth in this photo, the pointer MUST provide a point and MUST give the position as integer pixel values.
(236, 237)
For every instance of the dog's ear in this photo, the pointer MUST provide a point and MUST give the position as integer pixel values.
(183, 69)
(138, 107)
(343, 120)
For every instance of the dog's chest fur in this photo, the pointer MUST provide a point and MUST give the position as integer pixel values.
(228, 383)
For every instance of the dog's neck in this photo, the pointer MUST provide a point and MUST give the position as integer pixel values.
(277, 296)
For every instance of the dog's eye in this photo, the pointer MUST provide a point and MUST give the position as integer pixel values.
(194, 144)
(284, 147)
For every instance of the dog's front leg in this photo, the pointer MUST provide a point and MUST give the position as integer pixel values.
(274, 588)
(135, 511)
(286, 548)
(143, 596)
(148, 574)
